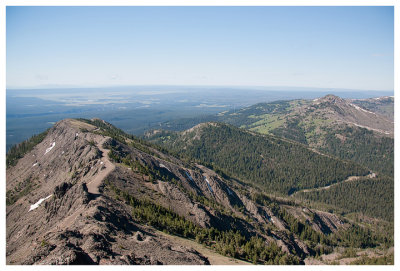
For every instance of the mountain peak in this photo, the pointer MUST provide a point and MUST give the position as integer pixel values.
(331, 99)
(74, 124)
(200, 126)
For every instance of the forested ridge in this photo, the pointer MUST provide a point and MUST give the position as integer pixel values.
(239, 117)
(271, 163)
(18, 151)
(373, 197)
(362, 146)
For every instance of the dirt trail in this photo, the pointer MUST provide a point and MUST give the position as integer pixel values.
(93, 185)
(349, 179)
(69, 220)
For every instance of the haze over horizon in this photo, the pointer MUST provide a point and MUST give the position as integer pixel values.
(237, 87)
(201, 46)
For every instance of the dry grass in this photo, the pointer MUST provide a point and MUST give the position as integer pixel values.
(213, 257)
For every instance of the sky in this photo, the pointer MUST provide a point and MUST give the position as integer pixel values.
(323, 47)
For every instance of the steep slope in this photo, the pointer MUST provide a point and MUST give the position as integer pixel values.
(372, 196)
(270, 163)
(382, 105)
(345, 111)
(283, 167)
(88, 193)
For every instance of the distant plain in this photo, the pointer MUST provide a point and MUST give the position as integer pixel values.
(139, 108)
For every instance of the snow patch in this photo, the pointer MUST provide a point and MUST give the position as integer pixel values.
(383, 98)
(208, 184)
(188, 175)
(50, 148)
(361, 109)
(162, 165)
(34, 164)
(101, 162)
(369, 128)
(34, 206)
(229, 191)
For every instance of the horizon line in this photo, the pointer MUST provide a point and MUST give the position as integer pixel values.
(279, 87)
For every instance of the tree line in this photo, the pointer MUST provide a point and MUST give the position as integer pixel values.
(228, 243)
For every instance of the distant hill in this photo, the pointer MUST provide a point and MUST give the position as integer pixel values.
(357, 130)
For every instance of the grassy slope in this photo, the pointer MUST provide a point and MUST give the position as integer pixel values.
(316, 130)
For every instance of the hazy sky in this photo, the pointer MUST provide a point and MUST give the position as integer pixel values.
(333, 47)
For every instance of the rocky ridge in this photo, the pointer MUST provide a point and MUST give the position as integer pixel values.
(77, 219)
